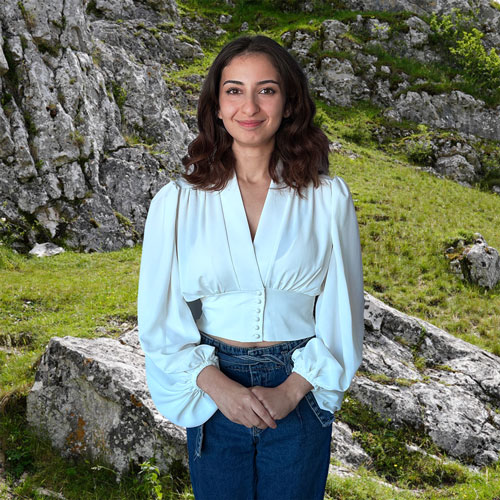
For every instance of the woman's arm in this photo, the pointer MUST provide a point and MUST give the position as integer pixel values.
(330, 359)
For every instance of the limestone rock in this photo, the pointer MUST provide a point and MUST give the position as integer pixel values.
(453, 398)
(478, 262)
(46, 250)
(457, 168)
(91, 399)
(345, 448)
(83, 82)
(456, 111)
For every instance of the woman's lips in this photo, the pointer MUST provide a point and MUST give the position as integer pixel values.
(250, 123)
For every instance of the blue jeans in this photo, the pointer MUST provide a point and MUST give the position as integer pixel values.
(229, 461)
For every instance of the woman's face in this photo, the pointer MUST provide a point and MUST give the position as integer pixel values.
(251, 101)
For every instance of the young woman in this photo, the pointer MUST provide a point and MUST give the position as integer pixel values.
(269, 243)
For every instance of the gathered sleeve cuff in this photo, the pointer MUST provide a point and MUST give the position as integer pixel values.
(168, 333)
(330, 359)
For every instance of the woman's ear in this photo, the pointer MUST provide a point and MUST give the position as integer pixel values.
(287, 112)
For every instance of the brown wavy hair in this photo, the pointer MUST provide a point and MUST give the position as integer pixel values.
(302, 147)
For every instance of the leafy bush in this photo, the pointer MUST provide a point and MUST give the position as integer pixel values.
(464, 42)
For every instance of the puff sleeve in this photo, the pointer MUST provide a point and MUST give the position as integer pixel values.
(168, 333)
(330, 359)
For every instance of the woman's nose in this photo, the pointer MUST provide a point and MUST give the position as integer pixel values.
(250, 106)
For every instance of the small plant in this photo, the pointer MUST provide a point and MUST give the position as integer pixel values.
(120, 94)
(419, 146)
(464, 43)
(77, 137)
(124, 221)
(28, 16)
(151, 477)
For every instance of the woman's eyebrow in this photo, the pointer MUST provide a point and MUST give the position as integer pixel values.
(236, 82)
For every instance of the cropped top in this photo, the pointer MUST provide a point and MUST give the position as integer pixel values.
(300, 277)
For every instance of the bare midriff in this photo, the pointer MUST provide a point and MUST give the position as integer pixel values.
(235, 343)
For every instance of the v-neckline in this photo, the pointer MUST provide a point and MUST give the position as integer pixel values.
(262, 212)
(252, 260)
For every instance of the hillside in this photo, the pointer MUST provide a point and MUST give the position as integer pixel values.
(415, 136)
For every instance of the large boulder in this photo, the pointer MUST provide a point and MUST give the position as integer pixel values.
(477, 262)
(90, 396)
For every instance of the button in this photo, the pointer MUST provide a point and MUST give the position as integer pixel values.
(257, 310)
(259, 293)
(256, 336)
(257, 327)
(259, 301)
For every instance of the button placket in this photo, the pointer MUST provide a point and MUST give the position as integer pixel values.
(258, 315)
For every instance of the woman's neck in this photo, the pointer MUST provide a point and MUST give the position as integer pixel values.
(252, 166)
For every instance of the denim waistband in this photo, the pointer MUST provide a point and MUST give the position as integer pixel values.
(274, 350)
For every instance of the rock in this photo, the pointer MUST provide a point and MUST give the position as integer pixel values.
(477, 262)
(87, 85)
(453, 398)
(337, 84)
(46, 250)
(90, 396)
(457, 168)
(91, 399)
(345, 448)
(456, 111)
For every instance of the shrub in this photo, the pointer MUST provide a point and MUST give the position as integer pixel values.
(464, 43)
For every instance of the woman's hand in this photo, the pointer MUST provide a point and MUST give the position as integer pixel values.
(281, 400)
(235, 401)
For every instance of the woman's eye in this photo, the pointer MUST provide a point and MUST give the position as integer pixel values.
(268, 90)
(232, 91)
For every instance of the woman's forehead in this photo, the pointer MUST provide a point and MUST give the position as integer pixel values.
(251, 65)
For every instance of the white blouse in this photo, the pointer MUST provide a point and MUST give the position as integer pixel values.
(197, 245)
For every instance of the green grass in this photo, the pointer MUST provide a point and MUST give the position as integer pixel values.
(406, 219)
(68, 294)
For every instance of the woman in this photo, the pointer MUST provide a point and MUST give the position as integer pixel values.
(269, 243)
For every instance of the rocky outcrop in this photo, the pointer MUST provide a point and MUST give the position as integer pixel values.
(448, 111)
(489, 17)
(432, 381)
(343, 71)
(92, 123)
(83, 99)
(477, 262)
(90, 396)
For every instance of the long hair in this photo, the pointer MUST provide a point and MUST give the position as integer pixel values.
(301, 146)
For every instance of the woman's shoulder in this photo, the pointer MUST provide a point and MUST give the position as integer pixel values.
(336, 185)
(172, 189)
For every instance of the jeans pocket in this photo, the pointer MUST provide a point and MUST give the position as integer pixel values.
(325, 417)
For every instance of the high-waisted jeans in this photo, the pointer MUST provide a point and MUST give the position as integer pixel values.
(229, 461)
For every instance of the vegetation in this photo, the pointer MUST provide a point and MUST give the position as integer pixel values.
(407, 219)
(464, 42)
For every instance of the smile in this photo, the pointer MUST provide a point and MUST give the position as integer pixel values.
(250, 123)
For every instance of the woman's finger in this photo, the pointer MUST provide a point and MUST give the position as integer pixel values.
(261, 411)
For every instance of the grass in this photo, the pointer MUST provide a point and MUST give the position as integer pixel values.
(68, 294)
